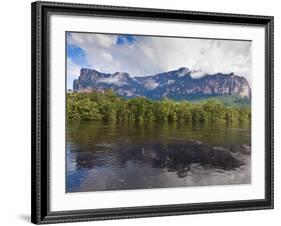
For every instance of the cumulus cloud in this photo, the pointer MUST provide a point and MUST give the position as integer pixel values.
(146, 55)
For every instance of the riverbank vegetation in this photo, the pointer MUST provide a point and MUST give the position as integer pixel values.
(107, 106)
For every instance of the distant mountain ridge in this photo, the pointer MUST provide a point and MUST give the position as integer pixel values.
(177, 84)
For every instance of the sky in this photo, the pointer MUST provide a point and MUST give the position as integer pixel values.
(147, 55)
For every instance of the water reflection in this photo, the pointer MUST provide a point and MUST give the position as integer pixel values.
(110, 156)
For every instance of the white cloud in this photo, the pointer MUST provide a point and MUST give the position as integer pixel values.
(113, 80)
(106, 56)
(88, 39)
(197, 74)
(150, 55)
(73, 71)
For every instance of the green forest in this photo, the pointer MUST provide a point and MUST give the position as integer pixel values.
(107, 106)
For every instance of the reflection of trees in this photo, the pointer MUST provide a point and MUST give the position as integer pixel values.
(217, 134)
(159, 145)
(177, 157)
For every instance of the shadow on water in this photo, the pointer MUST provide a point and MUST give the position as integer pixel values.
(124, 154)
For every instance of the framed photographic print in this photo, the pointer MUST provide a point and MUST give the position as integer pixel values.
(141, 112)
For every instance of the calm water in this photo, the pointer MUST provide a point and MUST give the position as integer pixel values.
(112, 156)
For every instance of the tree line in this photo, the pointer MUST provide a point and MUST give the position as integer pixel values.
(107, 106)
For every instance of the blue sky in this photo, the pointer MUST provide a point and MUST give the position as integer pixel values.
(76, 54)
(125, 39)
(147, 55)
(79, 55)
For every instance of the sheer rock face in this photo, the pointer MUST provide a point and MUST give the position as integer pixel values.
(177, 84)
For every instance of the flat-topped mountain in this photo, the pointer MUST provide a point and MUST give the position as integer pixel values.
(178, 84)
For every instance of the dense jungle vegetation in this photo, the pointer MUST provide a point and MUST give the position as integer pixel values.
(107, 106)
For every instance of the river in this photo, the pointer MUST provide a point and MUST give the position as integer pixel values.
(116, 156)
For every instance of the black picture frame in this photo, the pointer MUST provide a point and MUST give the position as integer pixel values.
(40, 212)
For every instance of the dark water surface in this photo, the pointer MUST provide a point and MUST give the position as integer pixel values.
(113, 156)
